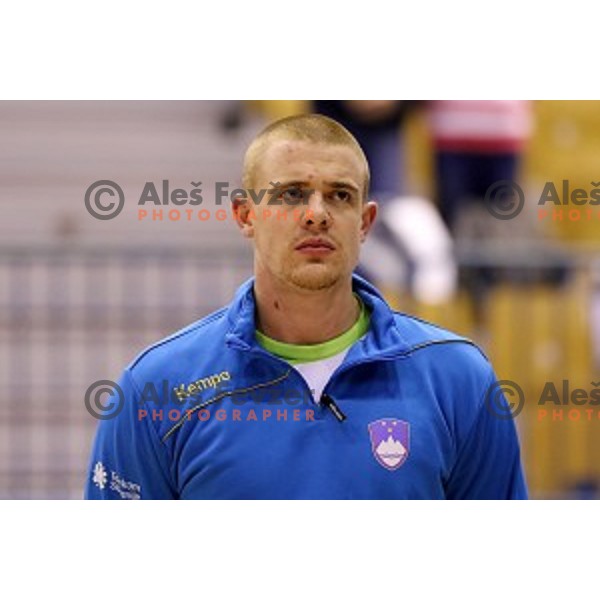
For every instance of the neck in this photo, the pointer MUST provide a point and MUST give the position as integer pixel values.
(297, 316)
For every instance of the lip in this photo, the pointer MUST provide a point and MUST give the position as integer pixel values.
(315, 245)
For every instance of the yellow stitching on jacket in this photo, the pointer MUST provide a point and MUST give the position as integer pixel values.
(220, 397)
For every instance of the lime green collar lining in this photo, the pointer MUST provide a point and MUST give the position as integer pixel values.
(297, 353)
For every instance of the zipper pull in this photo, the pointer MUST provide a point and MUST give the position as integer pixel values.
(327, 401)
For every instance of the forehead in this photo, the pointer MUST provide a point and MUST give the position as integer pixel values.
(300, 160)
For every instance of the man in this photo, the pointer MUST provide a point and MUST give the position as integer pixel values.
(307, 385)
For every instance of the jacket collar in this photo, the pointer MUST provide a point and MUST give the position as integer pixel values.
(383, 337)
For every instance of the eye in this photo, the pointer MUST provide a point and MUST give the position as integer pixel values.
(292, 195)
(342, 195)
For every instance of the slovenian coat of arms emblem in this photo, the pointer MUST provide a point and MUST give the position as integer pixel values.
(390, 442)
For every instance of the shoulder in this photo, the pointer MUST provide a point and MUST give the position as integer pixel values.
(201, 338)
(447, 356)
(451, 368)
(423, 335)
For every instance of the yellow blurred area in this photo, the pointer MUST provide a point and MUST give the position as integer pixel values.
(564, 145)
(530, 342)
(279, 109)
(537, 333)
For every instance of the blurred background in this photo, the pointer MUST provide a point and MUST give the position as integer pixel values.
(81, 296)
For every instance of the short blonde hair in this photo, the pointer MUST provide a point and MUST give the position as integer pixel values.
(310, 128)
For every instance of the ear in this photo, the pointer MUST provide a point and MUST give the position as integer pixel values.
(244, 217)
(369, 214)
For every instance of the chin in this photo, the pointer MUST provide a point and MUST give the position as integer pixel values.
(314, 277)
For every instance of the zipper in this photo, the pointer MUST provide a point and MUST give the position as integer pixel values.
(279, 361)
(329, 401)
(325, 400)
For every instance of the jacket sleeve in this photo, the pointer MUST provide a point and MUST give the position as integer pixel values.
(488, 463)
(128, 460)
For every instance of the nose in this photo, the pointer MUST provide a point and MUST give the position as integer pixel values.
(316, 212)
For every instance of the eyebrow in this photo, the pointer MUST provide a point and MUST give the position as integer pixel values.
(342, 185)
(338, 185)
(297, 183)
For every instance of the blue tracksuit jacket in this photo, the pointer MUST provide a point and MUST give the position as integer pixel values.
(208, 414)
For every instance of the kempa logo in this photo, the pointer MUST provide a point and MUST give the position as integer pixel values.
(105, 399)
(183, 391)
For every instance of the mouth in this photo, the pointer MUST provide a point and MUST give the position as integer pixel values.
(315, 246)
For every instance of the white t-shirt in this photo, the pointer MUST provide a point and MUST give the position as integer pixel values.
(306, 360)
(318, 372)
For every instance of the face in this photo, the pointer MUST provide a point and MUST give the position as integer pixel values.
(310, 239)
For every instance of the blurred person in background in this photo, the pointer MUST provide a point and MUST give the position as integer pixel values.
(476, 143)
